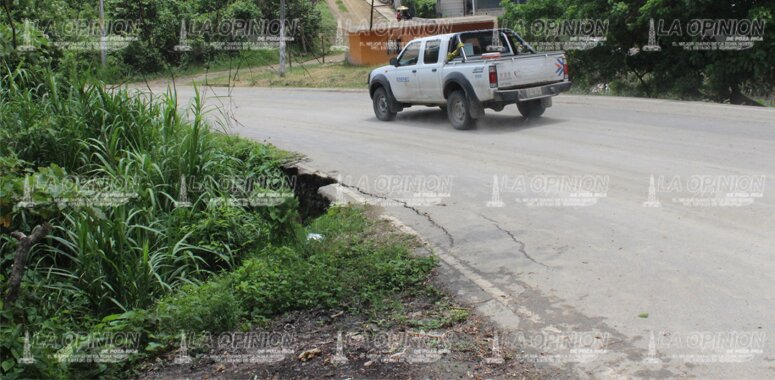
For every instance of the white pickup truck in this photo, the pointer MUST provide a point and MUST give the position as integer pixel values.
(467, 72)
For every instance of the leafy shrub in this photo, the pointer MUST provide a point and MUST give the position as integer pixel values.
(279, 282)
(354, 266)
(210, 307)
(106, 260)
(221, 229)
(358, 265)
(421, 8)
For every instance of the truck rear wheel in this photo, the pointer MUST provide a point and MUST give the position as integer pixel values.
(531, 109)
(381, 105)
(458, 111)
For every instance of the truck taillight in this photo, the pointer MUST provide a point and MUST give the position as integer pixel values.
(493, 77)
(565, 69)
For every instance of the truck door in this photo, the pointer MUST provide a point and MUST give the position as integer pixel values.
(429, 74)
(403, 79)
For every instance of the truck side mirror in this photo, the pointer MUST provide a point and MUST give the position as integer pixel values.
(394, 61)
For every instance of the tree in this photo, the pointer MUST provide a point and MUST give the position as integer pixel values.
(722, 75)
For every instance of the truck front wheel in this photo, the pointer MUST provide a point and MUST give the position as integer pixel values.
(531, 109)
(381, 106)
(458, 111)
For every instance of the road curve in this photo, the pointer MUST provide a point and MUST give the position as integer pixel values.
(693, 251)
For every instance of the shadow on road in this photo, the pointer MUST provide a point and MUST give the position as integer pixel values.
(492, 122)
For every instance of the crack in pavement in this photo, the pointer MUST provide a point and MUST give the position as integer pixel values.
(406, 205)
(514, 238)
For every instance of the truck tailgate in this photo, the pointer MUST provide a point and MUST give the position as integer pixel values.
(525, 70)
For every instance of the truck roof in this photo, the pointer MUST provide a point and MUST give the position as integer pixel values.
(435, 36)
(447, 35)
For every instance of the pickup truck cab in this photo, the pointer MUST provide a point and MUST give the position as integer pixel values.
(466, 72)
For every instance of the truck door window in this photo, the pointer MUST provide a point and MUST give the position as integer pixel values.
(411, 54)
(431, 54)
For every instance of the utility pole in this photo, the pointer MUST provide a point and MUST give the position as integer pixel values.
(323, 46)
(371, 16)
(282, 38)
(103, 51)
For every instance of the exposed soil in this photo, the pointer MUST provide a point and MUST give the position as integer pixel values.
(455, 346)
(358, 11)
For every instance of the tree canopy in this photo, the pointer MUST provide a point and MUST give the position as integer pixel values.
(677, 69)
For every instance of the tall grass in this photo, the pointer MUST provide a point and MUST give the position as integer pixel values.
(126, 256)
(153, 263)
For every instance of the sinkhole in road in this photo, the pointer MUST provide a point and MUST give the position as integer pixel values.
(305, 187)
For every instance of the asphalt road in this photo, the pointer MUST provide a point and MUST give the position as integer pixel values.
(567, 259)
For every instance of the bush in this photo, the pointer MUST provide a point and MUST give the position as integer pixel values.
(210, 307)
(103, 260)
(421, 8)
(278, 282)
(224, 229)
(358, 265)
(355, 267)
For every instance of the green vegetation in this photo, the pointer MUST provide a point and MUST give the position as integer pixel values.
(150, 263)
(421, 8)
(216, 70)
(149, 213)
(732, 75)
(341, 6)
(223, 62)
(329, 75)
(327, 19)
(154, 42)
(359, 266)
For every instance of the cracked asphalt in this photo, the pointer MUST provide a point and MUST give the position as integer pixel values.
(653, 268)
